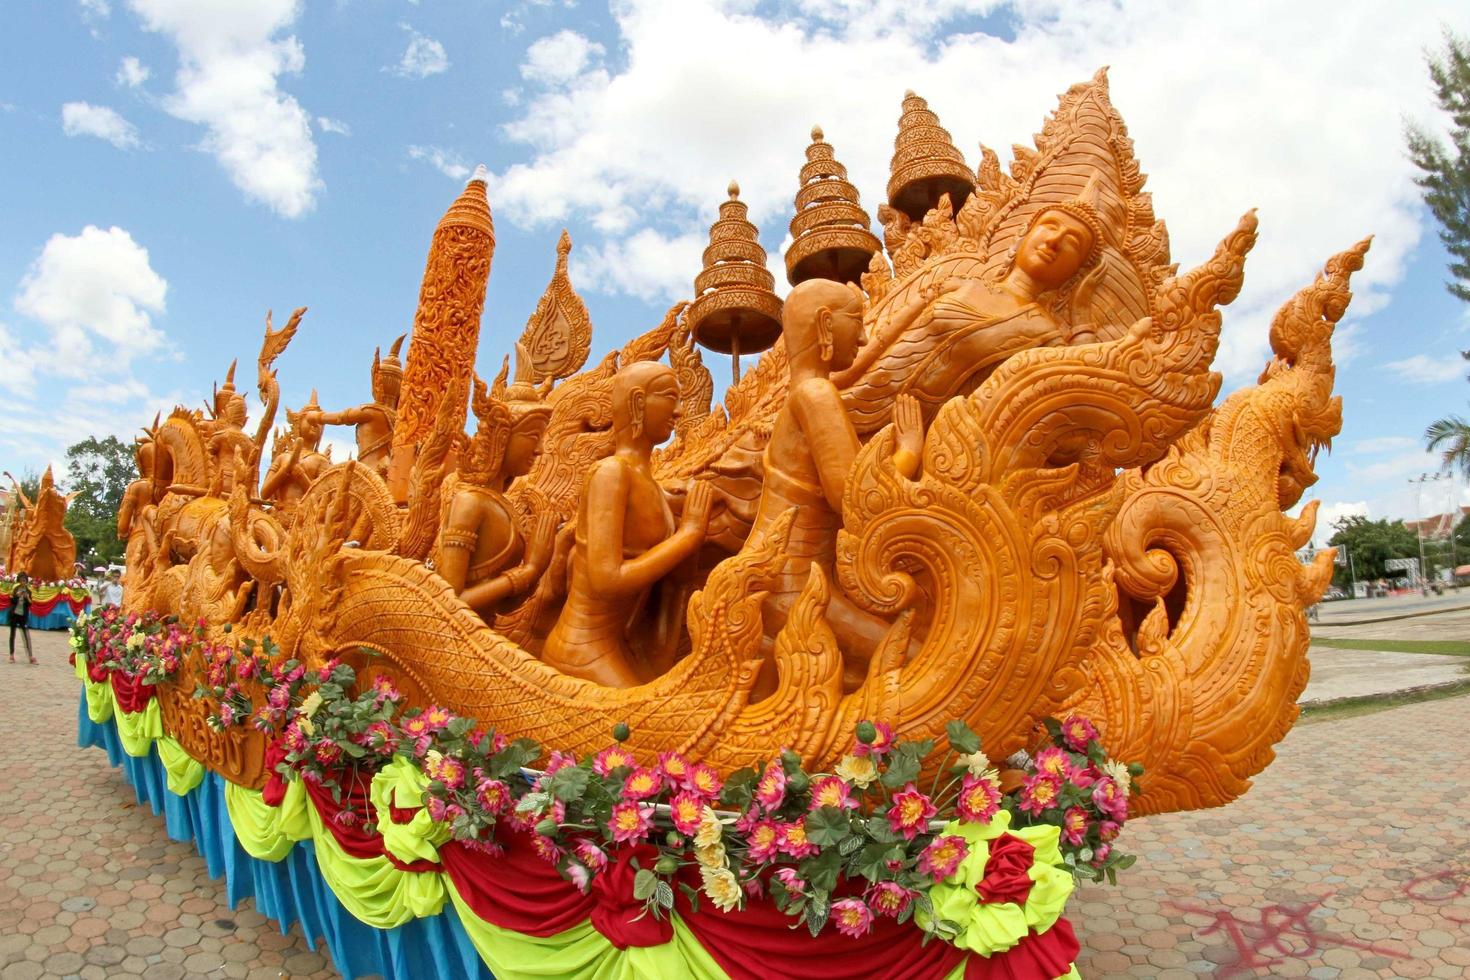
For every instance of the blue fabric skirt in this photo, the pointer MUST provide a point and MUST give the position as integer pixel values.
(292, 890)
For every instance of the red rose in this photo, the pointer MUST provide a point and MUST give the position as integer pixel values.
(616, 908)
(1005, 878)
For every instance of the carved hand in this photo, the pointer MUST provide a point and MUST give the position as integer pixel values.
(697, 506)
(908, 428)
(538, 548)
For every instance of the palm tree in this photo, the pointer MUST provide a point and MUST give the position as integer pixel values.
(1450, 437)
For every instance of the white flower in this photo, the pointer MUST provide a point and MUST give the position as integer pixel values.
(722, 887)
(312, 702)
(976, 762)
(1119, 772)
(135, 642)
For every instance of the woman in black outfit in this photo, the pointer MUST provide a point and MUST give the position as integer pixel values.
(20, 614)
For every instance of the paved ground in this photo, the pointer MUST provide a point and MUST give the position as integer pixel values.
(1451, 625)
(1354, 610)
(1338, 674)
(1350, 858)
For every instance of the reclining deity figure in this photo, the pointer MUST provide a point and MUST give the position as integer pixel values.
(626, 535)
(951, 343)
(812, 447)
(376, 419)
(297, 461)
(481, 551)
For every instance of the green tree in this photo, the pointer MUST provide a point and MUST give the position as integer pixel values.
(1372, 543)
(1444, 170)
(99, 470)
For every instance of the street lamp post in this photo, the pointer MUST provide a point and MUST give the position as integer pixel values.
(1418, 483)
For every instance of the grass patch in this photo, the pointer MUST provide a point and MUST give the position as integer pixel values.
(1373, 703)
(1455, 648)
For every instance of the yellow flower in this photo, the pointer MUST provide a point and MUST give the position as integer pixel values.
(975, 762)
(135, 642)
(1119, 772)
(712, 856)
(710, 831)
(309, 706)
(721, 888)
(305, 725)
(860, 770)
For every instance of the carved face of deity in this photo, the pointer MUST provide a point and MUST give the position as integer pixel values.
(234, 412)
(309, 429)
(661, 406)
(525, 444)
(848, 336)
(1054, 248)
(386, 385)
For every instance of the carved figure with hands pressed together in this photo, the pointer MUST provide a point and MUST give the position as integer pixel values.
(481, 550)
(811, 450)
(626, 535)
(375, 420)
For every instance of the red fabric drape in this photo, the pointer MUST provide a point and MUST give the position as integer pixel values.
(44, 607)
(1006, 871)
(132, 694)
(757, 943)
(517, 890)
(353, 839)
(1036, 957)
(619, 916)
(274, 790)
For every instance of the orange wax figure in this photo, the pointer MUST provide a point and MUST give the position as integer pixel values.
(374, 420)
(481, 551)
(41, 546)
(297, 461)
(810, 453)
(626, 537)
(951, 343)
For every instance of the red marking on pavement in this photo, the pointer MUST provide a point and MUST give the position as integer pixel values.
(1423, 889)
(1280, 934)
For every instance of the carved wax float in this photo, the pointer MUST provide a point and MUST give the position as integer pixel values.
(1077, 525)
(39, 543)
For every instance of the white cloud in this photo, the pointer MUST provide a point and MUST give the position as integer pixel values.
(559, 58)
(231, 59)
(423, 57)
(1330, 513)
(447, 162)
(1230, 106)
(1381, 444)
(132, 72)
(329, 125)
(85, 119)
(646, 264)
(97, 285)
(1422, 369)
(95, 9)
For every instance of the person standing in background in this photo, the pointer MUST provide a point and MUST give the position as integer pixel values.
(20, 615)
(112, 591)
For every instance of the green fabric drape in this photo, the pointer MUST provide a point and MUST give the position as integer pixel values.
(268, 832)
(138, 729)
(402, 784)
(184, 771)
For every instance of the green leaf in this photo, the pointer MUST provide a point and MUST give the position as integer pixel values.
(961, 738)
(569, 784)
(850, 844)
(644, 883)
(903, 768)
(822, 871)
(1125, 862)
(828, 825)
(923, 904)
(739, 788)
(663, 895)
(816, 912)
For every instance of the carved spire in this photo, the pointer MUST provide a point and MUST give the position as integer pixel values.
(559, 334)
(926, 164)
(830, 232)
(446, 326)
(734, 309)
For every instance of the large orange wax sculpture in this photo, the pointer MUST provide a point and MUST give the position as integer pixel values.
(39, 544)
(988, 480)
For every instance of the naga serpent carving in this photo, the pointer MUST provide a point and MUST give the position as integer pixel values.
(1085, 529)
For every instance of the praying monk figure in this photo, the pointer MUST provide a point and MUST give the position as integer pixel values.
(626, 536)
(811, 450)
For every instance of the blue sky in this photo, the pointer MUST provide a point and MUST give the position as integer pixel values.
(170, 169)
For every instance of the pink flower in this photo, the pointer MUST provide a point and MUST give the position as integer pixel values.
(578, 875)
(327, 752)
(1039, 793)
(852, 917)
(1074, 825)
(446, 769)
(642, 783)
(791, 881)
(324, 673)
(1082, 776)
(747, 820)
(1108, 830)
(704, 780)
(1100, 855)
(437, 717)
(979, 799)
(293, 739)
(889, 898)
(791, 838)
(488, 846)
(227, 714)
(770, 792)
(1077, 732)
(492, 795)
(347, 818)
(499, 741)
(832, 791)
(909, 812)
(942, 857)
(590, 854)
(439, 809)
(383, 690)
(630, 821)
(753, 888)
(557, 760)
(379, 737)
(1052, 761)
(1108, 797)
(545, 848)
(674, 766)
(764, 841)
(613, 757)
(685, 810)
(881, 744)
(246, 669)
